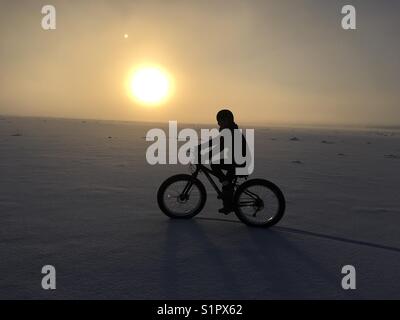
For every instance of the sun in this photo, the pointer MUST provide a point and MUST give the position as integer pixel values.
(150, 85)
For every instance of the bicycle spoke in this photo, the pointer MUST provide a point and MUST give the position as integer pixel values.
(246, 203)
(258, 204)
(251, 194)
(182, 197)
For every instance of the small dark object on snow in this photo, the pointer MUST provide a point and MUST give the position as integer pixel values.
(392, 156)
(297, 162)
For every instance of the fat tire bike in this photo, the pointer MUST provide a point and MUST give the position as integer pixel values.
(256, 202)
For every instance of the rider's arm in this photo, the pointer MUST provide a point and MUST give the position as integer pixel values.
(207, 147)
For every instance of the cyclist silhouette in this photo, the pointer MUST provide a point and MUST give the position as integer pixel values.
(256, 202)
(226, 120)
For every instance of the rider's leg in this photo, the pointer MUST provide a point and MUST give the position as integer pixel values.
(217, 170)
(227, 185)
(228, 188)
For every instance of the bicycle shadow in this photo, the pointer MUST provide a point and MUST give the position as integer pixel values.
(315, 234)
(284, 267)
(270, 263)
(292, 269)
(192, 261)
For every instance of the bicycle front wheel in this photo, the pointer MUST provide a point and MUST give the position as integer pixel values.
(259, 203)
(181, 196)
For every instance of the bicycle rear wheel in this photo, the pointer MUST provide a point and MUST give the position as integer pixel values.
(259, 203)
(181, 196)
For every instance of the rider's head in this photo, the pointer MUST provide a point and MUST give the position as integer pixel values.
(225, 118)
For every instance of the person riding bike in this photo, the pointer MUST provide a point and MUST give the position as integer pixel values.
(226, 120)
(256, 202)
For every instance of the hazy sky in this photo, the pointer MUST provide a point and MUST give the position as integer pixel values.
(276, 61)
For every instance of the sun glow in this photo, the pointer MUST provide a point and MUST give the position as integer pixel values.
(150, 85)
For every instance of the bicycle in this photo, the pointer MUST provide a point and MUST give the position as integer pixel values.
(183, 196)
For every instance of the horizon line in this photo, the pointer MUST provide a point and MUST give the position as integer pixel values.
(244, 123)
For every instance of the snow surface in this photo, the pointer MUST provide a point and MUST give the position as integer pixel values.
(79, 195)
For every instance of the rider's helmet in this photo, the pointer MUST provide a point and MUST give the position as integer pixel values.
(225, 116)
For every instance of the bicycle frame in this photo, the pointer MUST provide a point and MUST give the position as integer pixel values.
(248, 198)
(209, 173)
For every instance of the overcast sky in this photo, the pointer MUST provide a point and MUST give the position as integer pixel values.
(276, 61)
